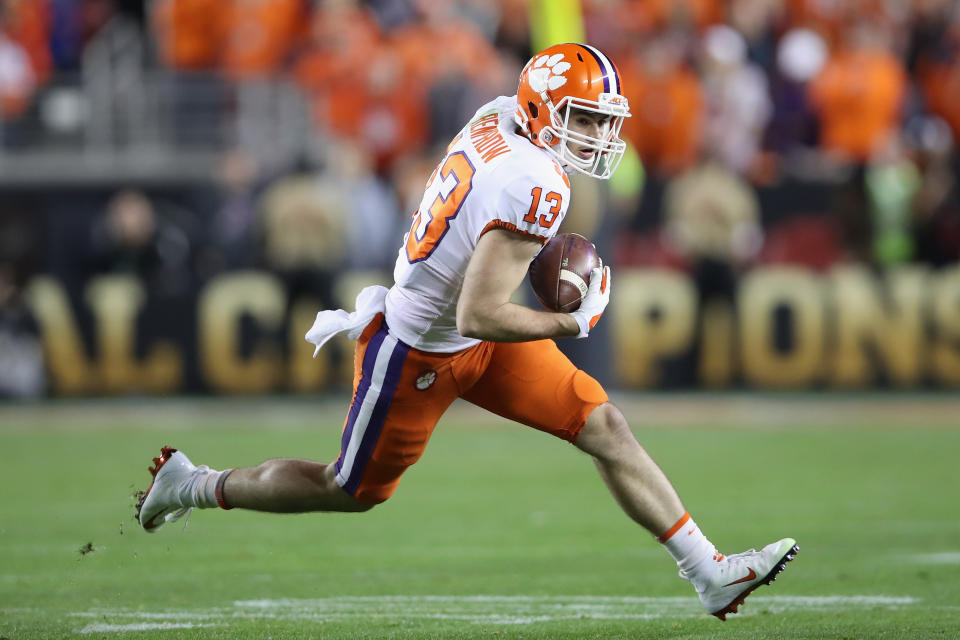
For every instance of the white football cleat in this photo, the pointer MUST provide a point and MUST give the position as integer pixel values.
(165, 498)
(734, 577)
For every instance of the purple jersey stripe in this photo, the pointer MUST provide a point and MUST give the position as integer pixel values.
(366, 372)
(603, 68)
(379, 415)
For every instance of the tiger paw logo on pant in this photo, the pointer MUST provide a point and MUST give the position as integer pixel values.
(425, 380)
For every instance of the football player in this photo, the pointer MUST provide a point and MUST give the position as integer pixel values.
(447, 328)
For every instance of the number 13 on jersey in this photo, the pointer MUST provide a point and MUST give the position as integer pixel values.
(451, 183)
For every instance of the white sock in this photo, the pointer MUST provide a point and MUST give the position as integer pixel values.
(688, 546)
(204, 489)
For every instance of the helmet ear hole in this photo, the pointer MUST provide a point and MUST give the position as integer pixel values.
(534, 112)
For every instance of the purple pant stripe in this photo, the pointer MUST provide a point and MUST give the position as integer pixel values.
(366, 372)
(378, 417)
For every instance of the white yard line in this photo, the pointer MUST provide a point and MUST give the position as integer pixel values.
(942, 557)
(475, 609)
(140, 626)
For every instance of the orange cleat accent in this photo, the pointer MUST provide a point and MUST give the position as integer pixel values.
(165, 453)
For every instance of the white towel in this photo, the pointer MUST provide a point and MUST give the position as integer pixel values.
(370, 302)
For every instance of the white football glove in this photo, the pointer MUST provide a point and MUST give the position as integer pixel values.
(598, 295)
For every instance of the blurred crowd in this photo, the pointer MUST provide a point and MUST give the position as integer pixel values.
(763, 131)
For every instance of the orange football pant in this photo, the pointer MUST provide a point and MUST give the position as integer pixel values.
(399, 394)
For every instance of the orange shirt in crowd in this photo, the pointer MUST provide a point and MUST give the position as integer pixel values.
(342, 38)
(666, 116)
(244, 38)
(941, 87)
(358, 86)
(648, 16)
(27, 22)
(384, 111)
(17, 83)
(373, 102)
(832, 19)
(700, 13)
(189, 33)
(429, 52)
(260, 35)
(858, 96)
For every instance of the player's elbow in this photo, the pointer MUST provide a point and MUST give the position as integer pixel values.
(469, 323)
(474, 319)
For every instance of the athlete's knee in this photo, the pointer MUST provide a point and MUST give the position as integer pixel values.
(609, 422)
(363, 495)
(352, 504)
(369, 497)
(336, 498)
(330, 492)
(605, 432)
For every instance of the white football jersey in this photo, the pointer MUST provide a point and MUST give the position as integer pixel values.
(491, 177)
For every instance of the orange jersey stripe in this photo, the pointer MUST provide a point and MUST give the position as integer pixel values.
(500, 224)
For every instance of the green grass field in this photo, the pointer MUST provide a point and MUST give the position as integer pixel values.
(499, 532)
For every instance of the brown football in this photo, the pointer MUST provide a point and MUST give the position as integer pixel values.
(560, 273)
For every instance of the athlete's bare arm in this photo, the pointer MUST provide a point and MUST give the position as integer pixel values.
(498, 266)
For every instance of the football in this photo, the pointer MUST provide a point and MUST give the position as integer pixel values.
(560, 273)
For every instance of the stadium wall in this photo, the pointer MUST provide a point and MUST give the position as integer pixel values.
(784, 328)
